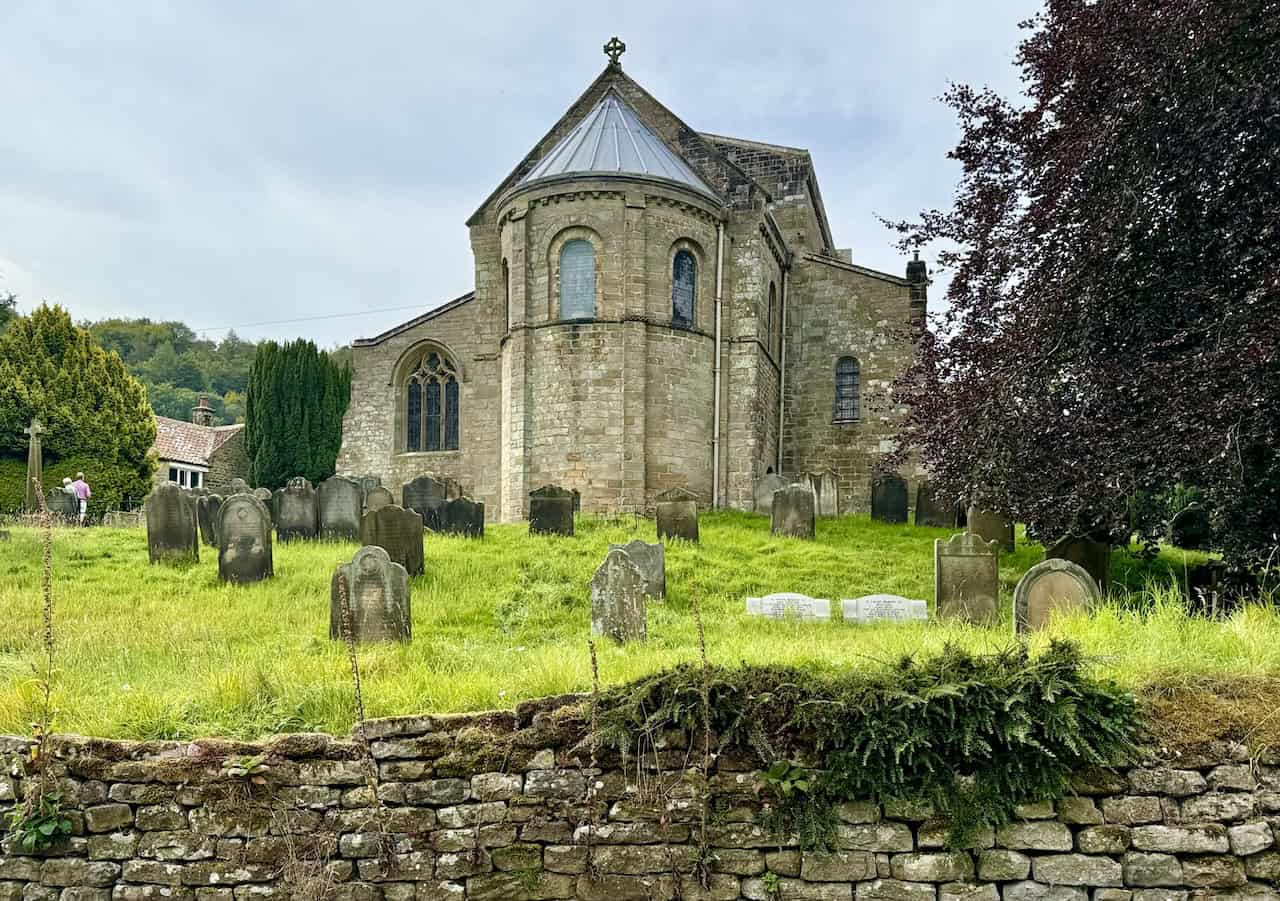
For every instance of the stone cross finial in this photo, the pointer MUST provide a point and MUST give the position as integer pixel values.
(614, 49)
(35, 429)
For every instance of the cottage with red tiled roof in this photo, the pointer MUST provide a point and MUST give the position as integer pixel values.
(199, 454)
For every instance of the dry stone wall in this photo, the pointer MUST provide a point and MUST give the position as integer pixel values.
(508, 806)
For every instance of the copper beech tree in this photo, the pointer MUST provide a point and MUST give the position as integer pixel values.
(1112, 327)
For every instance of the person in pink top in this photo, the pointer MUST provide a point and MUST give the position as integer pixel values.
(81, 488)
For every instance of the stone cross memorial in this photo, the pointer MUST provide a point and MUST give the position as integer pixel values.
(1048, 587)
(551, 511)
(35, 465)
(793, 513)
(244, 540)
(1094, 556)
(340, 504)
(788, 605)
(889, 498)
(676, 512)
(932, 510)
(398, 532)
(463, 516)
(428, 495)
(377, 593)
(618, 599)
(297, 513)
(173, 535)
(826, 492)
(377, 498)
(990, 527)
(207, 507)
(763, 493)
(966, 579)
(651, 560)
(873, 608)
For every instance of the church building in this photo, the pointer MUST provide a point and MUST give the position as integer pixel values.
(655, 307)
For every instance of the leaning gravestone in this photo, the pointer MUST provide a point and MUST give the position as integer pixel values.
(244, 540)
(792, 515)
(763, 493)
(377, 498)
(677, 514)
(826, 491)
(207, 516)
(651, 560)
(617, 598)
(463, 516)
(297, 513)
(966, 579)
(172, 532)
(551, 511)
(933, 510)
(340, 502)
(1049, 587)
(428, 495)
(990, 527)
(377, 594)
(1190, 528)
(873, 608)
(889, 498)
(1094, 556)
(398, 532)
(788, 605)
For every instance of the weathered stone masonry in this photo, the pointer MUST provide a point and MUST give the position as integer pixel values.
(497, 806)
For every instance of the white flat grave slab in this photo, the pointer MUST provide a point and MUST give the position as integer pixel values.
(873, 608)
(786, 605)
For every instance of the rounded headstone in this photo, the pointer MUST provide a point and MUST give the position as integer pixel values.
(1048, 587)
(244, 540)
(990, 527)
(398, 532)
(1190, 528)
(377, 596)
(618, 599)
(377, 498)
(1094, 556)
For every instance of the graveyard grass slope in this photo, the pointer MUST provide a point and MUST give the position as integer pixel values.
(160, 652)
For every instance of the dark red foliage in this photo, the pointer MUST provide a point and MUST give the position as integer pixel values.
(1113, 321)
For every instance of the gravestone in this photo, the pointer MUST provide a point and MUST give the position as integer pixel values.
(172, 532)
(1094, 556)
(244, 540)
(1190, 528)
(463, 516)
(123, 519)
(763, 493)
(1048, 587)
(238, 486)
(398, 532)
(297, 512)
(651, 560)
(35, 465)
(825, 491)
(4, 535)
(617, 598)
(933, 510)
(677, 514)
(428, 495)
(990, 527)
(874, 608)
(577, 502)
(550, 511)
(966, 579)
(62, 503)
(268, 500)
(889, 498)
(340, 503)
(792, 515)
(207, 508)
(788, 605)
(377, 498)
(377, 593)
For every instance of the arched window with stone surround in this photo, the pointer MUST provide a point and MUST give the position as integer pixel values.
(847, 385)
(431, 404)
(684, 289)
(577, 280)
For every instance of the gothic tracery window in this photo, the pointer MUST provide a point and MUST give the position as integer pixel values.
(846, 402)
(577, 280)
(431, 405)
(684, 288)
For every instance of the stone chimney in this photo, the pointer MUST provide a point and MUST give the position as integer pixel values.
(918, 275)
(202, 413)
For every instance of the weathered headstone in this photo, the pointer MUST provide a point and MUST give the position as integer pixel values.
(368, 483)
(651, 560)
(340, 503)
(990, 527)
(268, 500)
(377, 593)
(676, 511)
(297, 512)
(826, 491)
(463, 516)
(1094, 556)
(792, 513)
(966, 579)
(889, 498)
(398, 532)
(1190, 528)
(428, 495)
(35, 465)
(763, 493)
(207, 507)
(377, 498)
(551, 511)
(239, 486)
(873, 608)
(244, 540)
(617, 598)
(62, 503)
(1048, 587)
(172, 532)
(933, 510)
(788, 605)
(123, 519)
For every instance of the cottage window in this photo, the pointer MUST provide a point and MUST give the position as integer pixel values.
(432, 425)
(847, 377)
(577, 280)
(684, 289)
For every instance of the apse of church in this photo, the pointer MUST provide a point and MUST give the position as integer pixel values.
(622, 260)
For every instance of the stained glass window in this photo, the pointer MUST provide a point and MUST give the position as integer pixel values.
(433, 425)
(684, 288)
(451, 414)
(413, 434)
(577, 280)
(433, 415)
(846, 405)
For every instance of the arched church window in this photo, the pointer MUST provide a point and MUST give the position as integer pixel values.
(577, 280)
(431, 405)
(847, 378)
(684, 289)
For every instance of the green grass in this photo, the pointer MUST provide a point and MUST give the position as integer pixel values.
(160, 652)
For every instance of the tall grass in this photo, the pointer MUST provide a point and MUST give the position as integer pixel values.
(159, 652)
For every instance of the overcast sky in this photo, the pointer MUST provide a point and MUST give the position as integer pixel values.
(235, 163)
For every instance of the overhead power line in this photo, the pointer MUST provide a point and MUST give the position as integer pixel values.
(224, 328)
